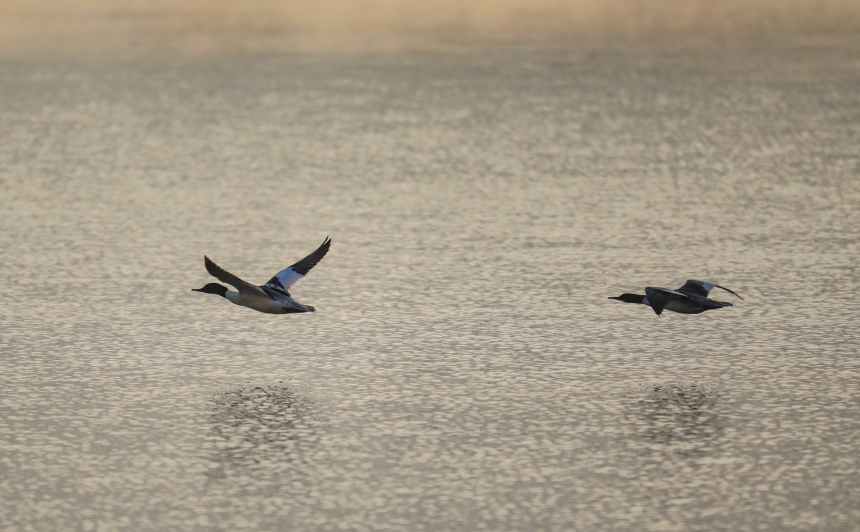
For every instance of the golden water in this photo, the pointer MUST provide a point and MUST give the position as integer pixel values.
(464, 369)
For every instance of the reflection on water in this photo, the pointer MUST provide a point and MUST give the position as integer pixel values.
(257, 427)
(681, 417)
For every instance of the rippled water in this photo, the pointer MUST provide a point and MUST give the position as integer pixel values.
(465, 369)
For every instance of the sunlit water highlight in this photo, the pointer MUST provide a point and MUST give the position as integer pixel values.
(465, 369)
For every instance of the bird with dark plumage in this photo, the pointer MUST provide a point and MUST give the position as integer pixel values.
(274, 296)
(692, 298)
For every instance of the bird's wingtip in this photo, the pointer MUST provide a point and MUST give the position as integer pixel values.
(729, 291)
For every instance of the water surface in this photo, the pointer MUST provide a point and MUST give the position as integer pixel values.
(465, 369)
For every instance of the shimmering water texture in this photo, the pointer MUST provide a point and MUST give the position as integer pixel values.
(464, 369)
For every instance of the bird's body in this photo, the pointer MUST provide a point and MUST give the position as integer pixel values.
(680, 302)
(692, 298)
(262, 302)
(274, 296)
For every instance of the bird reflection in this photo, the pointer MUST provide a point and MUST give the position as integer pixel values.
(256, 428)
(683, 416)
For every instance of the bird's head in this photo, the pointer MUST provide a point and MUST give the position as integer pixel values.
(213, 288)
(629, 298)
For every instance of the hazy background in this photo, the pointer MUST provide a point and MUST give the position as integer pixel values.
(200, 29)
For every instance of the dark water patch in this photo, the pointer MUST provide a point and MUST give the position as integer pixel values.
(257, 429)
(680, 418)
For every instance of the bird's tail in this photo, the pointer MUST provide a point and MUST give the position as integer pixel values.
(296, 307)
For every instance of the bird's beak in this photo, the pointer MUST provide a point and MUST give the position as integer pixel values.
(616, 297)
(196, 289)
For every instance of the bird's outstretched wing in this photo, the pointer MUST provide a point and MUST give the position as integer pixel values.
(287, 277)
(658, 298)
(226, 277)
(702, 288)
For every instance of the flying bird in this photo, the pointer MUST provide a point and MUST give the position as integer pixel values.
(274, 296)
(692, 298)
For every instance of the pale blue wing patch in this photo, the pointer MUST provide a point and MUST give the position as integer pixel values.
(698, 288)
(287, 277)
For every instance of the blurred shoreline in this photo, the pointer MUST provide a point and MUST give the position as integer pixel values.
(204, 29)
